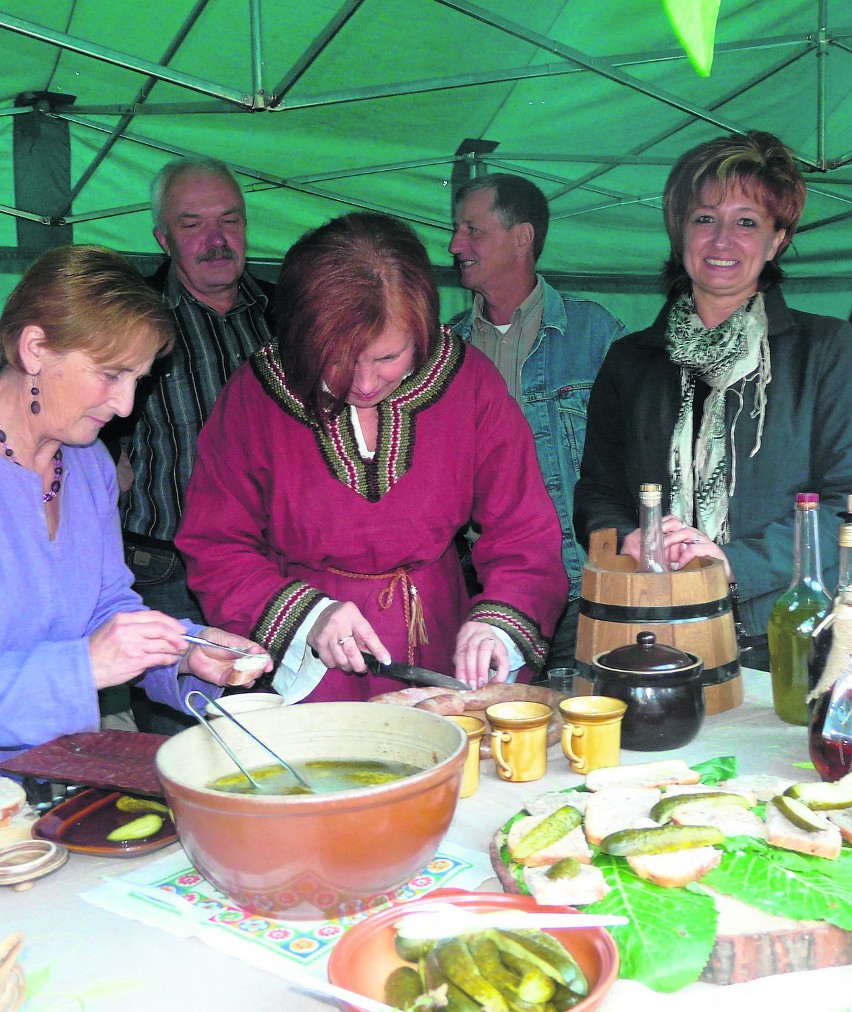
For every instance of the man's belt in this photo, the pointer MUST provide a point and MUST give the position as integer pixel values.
(143, 541)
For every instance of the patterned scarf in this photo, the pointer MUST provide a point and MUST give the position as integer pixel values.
(727, 357)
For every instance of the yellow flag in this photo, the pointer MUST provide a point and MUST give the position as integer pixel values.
(694, 22)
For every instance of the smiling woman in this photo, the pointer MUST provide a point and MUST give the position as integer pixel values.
(731, 401)
(75, 335)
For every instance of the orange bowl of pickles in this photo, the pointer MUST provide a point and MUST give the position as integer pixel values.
(369, 957)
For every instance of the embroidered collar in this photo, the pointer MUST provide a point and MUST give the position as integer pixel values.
(336, 441)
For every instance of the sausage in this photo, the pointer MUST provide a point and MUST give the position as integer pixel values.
(410, 696)
(448, 704)
(501, 692)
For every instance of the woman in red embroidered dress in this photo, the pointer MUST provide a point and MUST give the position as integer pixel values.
(338, 465)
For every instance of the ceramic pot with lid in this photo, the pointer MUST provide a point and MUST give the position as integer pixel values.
(662, 688)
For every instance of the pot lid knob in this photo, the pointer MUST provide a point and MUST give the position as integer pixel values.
(647, 655)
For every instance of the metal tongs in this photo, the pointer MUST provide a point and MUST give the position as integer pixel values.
(202, 719)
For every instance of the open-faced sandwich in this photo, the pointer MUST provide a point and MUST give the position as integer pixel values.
(666, 825)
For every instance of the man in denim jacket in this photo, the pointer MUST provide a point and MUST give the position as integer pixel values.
(548, 346)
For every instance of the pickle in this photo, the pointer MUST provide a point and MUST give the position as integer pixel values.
(823, 796)
(138, 829)
(434, 978)
(800, 815)
(457, 964)
(411, 949)
(568, 867)
(544, 952)
(664, 809)
(127, 803)
(486, 955)
(547, 832)
(660, 840)
(403, 987)
(536, 986)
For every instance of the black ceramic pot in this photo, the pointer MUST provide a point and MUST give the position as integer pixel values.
(662, 688)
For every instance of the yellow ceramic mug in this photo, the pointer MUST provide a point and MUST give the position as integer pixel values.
(474, 728)
(519, 739)
(591, 734)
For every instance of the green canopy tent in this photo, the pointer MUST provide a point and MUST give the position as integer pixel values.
(322, 106)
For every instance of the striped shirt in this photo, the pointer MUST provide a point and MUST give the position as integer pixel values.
(183, 388)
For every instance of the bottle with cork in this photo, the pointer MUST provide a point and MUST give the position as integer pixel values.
(651, 557)
(796, 614)
(830, 671)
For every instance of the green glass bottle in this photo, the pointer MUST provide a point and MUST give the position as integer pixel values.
(795, 615)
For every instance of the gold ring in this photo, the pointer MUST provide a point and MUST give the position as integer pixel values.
(345, 638)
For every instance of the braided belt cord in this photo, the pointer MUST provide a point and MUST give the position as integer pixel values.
(412, 606)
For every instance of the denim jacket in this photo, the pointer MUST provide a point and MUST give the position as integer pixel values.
(557, 378)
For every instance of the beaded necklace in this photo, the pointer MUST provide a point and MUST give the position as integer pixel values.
(55, 485)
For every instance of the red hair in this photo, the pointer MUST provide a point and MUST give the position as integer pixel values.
(341, 286)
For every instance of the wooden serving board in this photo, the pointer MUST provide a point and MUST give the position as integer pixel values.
(749, 943)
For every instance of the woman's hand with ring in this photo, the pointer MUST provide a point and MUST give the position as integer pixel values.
(480, 656)
(340, 634)
(683, 544)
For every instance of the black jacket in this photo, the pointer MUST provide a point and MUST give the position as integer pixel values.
(806, 447)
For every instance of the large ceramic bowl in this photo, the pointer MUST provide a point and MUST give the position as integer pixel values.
(364, 957)
(310, 856)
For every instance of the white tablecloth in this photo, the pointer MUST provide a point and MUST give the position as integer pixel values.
(79, 956)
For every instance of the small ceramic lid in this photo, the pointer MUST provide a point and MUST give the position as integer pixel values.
(647, 655)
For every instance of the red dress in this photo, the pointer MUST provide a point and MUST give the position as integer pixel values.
(280, 513)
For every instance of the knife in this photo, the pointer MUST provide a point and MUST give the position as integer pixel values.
(412, 674)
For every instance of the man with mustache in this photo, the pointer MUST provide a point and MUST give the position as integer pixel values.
(220, 316)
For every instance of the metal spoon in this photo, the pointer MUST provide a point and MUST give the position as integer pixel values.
(261, 788)
(201, 641)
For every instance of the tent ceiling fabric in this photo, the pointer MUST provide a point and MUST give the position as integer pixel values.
(326, 106)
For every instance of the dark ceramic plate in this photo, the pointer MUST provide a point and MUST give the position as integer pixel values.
(82, 823)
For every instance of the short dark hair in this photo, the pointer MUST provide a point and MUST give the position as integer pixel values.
(89, 299)
(765, 169)
(341, 286)
(516, 200)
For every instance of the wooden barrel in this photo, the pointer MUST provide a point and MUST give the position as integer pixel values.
(689, 609)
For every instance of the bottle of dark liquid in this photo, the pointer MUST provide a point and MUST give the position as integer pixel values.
(651, 557)
(795, 615)
(830, 674)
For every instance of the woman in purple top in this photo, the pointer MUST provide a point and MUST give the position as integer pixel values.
(75, 336)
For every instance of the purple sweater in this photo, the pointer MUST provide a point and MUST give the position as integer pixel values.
(54, 594)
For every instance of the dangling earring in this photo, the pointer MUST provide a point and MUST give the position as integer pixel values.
(35, 406)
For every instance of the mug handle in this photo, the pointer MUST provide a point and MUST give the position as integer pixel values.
(503, 768)
(568, 732)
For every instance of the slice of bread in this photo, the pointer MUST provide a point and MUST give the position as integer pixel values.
(587, 886)
(842, 818)
(572, 844)
(675, 867)
(12, 799)
(732, 820)
(781, 832)
(616, 808)
(651, 774)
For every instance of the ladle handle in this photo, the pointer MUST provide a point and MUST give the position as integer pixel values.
(202, 719)
(281, 762)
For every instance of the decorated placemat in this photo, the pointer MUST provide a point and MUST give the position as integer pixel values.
(171, 885)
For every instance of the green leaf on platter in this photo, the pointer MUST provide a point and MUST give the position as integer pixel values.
(713, 771)
(787, 884)
(678, 922)
(694, 23)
